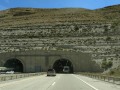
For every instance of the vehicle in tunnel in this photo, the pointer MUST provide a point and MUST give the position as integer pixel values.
(15, 64)
(5, 70)
(10, 72)
(60, 66)
(66, 69)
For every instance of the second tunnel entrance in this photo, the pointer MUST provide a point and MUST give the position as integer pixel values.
(61, 63)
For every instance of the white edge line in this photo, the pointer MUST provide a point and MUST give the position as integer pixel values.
(86, 83)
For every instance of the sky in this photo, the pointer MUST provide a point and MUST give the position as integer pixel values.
(88, 4)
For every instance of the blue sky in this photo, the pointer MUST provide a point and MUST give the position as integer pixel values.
(89, 4)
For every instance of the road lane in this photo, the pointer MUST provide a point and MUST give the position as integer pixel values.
(100, 85)
(59, 82)
(69, 82)
(32, 83)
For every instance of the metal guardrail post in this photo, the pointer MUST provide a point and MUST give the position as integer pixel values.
(15, 76)
(4, 78)
(113, 80)
(11, 78)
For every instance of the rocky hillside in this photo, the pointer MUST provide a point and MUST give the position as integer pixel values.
(19, 16)
(71, 29)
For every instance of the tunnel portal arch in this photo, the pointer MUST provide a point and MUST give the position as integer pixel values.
(15, 64)
(59, 65)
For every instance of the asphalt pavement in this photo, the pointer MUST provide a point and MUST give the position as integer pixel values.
(59, 82)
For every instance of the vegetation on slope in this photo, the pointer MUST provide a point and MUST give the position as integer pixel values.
(31, 16)
(111, 12)
(114, 72)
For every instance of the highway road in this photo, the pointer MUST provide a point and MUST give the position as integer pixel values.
(59, 82)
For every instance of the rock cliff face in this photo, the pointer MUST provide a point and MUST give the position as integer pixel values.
(54, 35)
(93, 31)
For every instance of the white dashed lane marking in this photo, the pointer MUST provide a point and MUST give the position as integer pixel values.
(53, 84)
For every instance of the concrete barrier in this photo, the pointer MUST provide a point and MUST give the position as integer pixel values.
(6, 77)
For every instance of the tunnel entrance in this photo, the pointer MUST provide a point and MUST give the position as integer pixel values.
(61, 63)
(14, 64)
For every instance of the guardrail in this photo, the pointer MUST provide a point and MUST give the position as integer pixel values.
(111, 79)
(17, 76)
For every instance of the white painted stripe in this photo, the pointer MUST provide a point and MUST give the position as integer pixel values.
(53, 83)
(86, 83)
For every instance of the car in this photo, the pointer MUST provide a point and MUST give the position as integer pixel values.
(66, 69)
(51, 72)
(10, 72)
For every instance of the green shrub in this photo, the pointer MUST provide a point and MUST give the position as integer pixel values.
(105, 65)
(111, 72)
